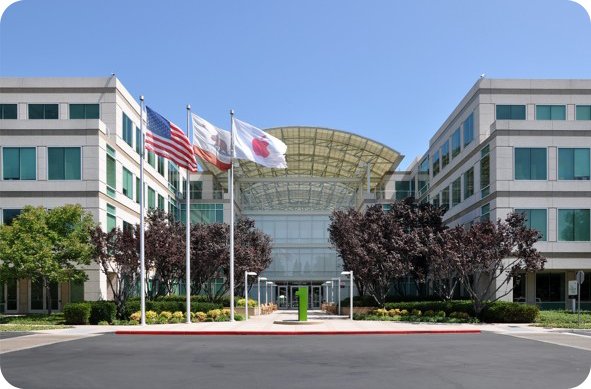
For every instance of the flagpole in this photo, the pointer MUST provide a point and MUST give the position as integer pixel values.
(142, 259)
(231, 189)
(188, 224)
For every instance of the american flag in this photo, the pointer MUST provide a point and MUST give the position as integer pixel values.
(165, 139)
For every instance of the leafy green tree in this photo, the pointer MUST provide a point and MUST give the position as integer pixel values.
(47, 245)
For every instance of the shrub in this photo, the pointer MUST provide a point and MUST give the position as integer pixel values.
(360, 301)
(165, 314)
(459, 315)
(416, 312)
(170, 305)
(162, 320)
(445, 306)
(77, 313)
(251, 303)
(178, 315)
(136, 316)
(199, 316)
(214, 313)
(441, 314)
(403, 312)
(508, 312)
(380, 312)
(394, 312)
(226, 312)
(429, 313)
(151, 317)
(102, 311)
(238, 317)
(103, 323)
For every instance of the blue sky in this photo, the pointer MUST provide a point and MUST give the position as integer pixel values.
(389, 70)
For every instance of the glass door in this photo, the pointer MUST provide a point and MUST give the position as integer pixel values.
(293, 297)
(315, 297)
(282, 297)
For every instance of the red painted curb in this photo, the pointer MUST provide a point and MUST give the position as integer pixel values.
(259, 333)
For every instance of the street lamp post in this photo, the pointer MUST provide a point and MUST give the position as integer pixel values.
(347, 273)
(246, 274)
(338, 281)
(259, 279)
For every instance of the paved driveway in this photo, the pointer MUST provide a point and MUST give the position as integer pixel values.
(378, 361)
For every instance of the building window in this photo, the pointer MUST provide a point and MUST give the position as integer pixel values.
(11, 295)
(111, 172)
(485, 213)
(127, 183)
(519, 287)
(8, 215)
(530, 164)
(63, 163)
(455, 143)
(469, 130)
(173, 177)
(445, 198)
(151, 159)
(19, 163)
(404, 189)
(138, 193)
(510, 112)
(43, 111)
(435, 201)
(573, 225)
(127, 134)
(469, 183)
(161, 166)
(456, 192)
(151, 198)
(111, 218)
(84, 111)
(423, 177)
(573, 164)
(8, 111)
(172, 208)
(196, 188)
(550, 287)
(550, 112)
(76, 291)
(435, 163)
(445, 154)
(536, 219)
(583, 112)
(138, 141)
(160, 202)
(127, 226)
(485, 171)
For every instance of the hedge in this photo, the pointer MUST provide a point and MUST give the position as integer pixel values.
(436, 306)
(170, 306)
(496, 312)
(77, 313)
(360, 301)
(102, 311)
(507, 312)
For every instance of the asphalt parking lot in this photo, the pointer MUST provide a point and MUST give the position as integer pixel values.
(377, 361)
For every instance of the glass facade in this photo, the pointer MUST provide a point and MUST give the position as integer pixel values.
(573, 164)
(404, 189)
(530, 164)
(138, 141)
(536, 219)
(435, 163)
(550, 287)
(19, 163)
(204, 213)
(64, 163)
(151, 198)
(573, 225)
(510, 112)
(485, 171)
(138, 193)
(161, 202)
(8, 111)
(445, 198)
(196, 188)
(111, 217)
(485, 213)
(111, 172)
(445, 154)
(84, 111)
(43, 111)
(550, 112)
(173, 177)
(8, 215)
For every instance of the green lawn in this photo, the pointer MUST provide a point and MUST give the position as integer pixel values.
(33, 322)
(563, 319)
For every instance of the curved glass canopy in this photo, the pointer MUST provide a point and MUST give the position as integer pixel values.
(327, 168)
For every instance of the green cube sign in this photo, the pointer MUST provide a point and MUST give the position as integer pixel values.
(302, 294)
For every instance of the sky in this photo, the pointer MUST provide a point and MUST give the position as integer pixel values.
(388, 70)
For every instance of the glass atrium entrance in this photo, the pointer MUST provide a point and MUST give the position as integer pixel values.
(286, 297)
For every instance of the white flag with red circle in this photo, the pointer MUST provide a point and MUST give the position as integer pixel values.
(256, 145)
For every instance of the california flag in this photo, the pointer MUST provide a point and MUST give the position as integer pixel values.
(210, 143)
(256, 145)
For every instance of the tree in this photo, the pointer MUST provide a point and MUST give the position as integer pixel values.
(211, 255)
(165, 250)
(486, 257)
(371, 245)
(47, 245)
(117, 254)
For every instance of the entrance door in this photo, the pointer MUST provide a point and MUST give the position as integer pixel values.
(282, 297)
(294, 300)
(315, 298)
(37, 296)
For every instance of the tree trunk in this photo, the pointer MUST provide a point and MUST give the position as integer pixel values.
(47, 295)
